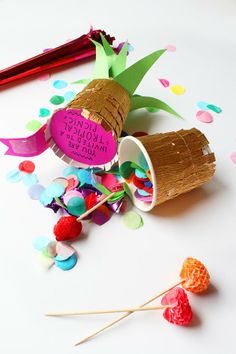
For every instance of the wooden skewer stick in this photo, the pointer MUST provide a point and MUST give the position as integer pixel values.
(100, 312)
(102, 201)
(127, 314)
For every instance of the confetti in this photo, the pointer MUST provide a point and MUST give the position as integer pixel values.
(180, 313)
(204, 116)
(178, 89)
(44, 112)
(63, 251)
(101, 215)
(35, 191)
(68, 263)
(41, 242)
(164, 82)
(33, 125)
(27, 166)
(233, 157)
(14, 176)
(70, 95)
(132, 220)
(170, 48)
(29, 179)
(56, 100)
(214, 108)
(71, 194)
(55, 189)
(60, 84)
(76, 206)
(203, 105)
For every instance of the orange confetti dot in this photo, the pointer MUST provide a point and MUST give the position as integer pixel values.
(196, 275)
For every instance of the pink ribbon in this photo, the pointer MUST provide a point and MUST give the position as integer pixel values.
(32, 145)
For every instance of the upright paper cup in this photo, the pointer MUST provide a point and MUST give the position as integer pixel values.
(85, 133)
(178, 162)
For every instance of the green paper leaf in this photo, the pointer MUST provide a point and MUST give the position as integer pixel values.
(142, 102)
(101, 70)
(102, 189)
(119, 62)
(106, 45)
(82, 81)
(110, 53)
(132, 76)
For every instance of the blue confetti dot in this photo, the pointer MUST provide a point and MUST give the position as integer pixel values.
(41, 242)
(29, 179)
(60, 84)
(68, 263)
(14, 176)
(55, 190)
(45, 199)
(35, 191)
(69, 95)
(140, 174)
(203, 105)
(142, 192)
(70, 171)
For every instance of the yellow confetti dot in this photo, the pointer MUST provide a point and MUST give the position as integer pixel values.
(178, 89)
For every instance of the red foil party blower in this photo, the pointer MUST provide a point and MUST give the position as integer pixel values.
(73, 51)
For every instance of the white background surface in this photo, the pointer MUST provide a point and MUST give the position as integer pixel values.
(117, 266)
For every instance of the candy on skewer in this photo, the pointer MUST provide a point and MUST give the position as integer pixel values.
(197, 279)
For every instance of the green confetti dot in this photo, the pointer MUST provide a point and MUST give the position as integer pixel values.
(126, 169)
(132, 220)
(76, 206)
(57, 99)
(44, 112)
(214, 108)
(33, 125)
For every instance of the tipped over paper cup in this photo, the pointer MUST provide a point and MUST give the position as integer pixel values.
(165, 165)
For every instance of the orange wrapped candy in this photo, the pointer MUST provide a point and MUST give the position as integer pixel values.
(196, 275)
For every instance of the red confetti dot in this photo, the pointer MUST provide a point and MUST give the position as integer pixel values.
(67, 228)
(27, 166)
(90, 200)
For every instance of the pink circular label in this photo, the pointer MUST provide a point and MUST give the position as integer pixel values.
(82, 139)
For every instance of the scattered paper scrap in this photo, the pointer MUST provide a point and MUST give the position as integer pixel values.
(178, 89)
(56, 100)
(132, 220)
(204, 116)
(33, 125)
(60, 84)
(164, 82)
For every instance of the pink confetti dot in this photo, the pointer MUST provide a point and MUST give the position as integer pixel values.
(170, 48)
(44, 77)
(164, 82)
(233, 157)
(204, 116)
